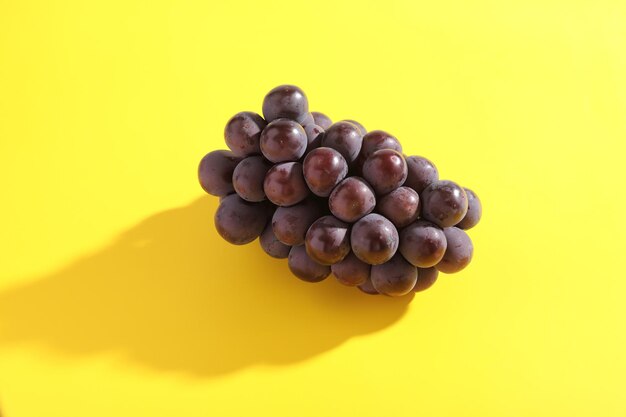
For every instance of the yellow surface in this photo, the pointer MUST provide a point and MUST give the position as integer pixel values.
(117, 298)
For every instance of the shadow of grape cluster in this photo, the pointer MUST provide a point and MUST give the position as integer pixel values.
(170, 294)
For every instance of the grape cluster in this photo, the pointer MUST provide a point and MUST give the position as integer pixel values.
(334, 198)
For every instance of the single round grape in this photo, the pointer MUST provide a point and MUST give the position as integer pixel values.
(444, 203)
(307, 120)
(458, 253)
(368, 288)
(290, 224)
(283, 140)
(328, 240)
(215, 172)
(242, 133)
(248, 178)
(345, 138)
(423, 244)
(284, 184)
(321, 120)
(286, 101)
(271, 245)
(385, 170)
(374, 239)
(375, 141)
(305, 268)
(401, 206)
(395, 277)
(323, 169)
(421, 173)
(362, 128)
(426, 277)
(474, 211)
(314, 136)
(352, 199)
(351, 270)
(239, 221)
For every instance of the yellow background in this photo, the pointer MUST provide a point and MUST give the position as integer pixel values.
(117, 298)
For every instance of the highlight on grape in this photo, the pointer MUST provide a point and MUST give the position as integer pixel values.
(333, 198)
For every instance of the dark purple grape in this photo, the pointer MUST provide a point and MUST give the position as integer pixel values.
(421, 173)
(426, 277)
(345, 138)
(305, 268)
(351, 270)
(375, 141)
(401, 206)
(284, 184)
(374, 239)
(271, 245)
(215, 172)
(314, 136)
(239, 221)
(474, 211)
(283, 140)
(328, 240)
(290, 224)
(323, 169)
(444, 203)
(422, 244)
(395, 277)
(321, 120)
(385, 170)
(368, 288)
(286, 101)
(248, 178)
(352, 199)
(307, 120)
(362, 128)
(458, 253)
(242, 133)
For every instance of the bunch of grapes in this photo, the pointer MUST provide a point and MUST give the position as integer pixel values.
(334, 198)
